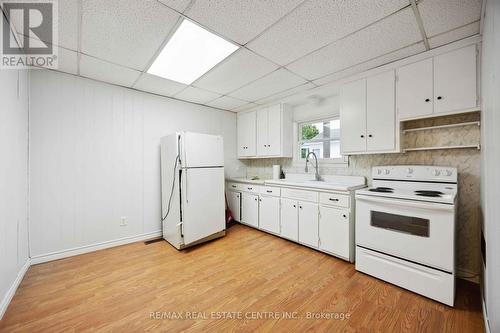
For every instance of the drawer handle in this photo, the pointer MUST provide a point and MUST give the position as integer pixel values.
(294, 206)
(269, 191)
(332, 199)
(300, 207)
(233, 186)
(250, 188)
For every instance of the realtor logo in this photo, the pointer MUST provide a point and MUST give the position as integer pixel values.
(28, 34)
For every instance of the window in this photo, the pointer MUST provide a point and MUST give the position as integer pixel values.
(321, 137)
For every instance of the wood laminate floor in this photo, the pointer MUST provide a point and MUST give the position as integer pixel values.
(246, 275)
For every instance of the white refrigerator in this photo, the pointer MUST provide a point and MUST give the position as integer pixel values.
(192, 188)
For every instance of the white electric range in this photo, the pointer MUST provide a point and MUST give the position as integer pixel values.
(405, 229)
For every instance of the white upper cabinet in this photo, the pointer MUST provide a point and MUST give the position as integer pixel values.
(368, 115)
(381, 112)
(415, 90)
(353, 117)
(272, 132)
(246, 134)
(444, 84)
(455, 77)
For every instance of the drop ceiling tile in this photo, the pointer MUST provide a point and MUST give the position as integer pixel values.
(67, 24)
(197, 95)
(245, 107)
(67, 61)
(286, 93)
(158, 85)
(240, 68)
(454, 35)
(317, 23)
(390, 34)
(444, 15)
(226, 103)
(126, 32)
(271, 84)
(104, 71)
(240, 20)
(377, 62)
(178, 5)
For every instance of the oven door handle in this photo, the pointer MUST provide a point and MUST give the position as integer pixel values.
(407, 203)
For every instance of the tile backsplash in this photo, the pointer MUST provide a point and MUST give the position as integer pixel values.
(467, 161)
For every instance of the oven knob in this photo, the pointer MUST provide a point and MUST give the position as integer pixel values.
(379, 171)
(410, 170)
(437, 172)
(448, 173)
(386, 171)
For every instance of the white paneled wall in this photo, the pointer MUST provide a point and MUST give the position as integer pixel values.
(13, 182)
(95, 158)
(490, 148)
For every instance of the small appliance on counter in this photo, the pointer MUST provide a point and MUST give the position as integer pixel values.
(276, 172)
(192, 188)
(405, 229)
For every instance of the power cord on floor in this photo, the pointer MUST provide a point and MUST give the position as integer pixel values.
(171, 190)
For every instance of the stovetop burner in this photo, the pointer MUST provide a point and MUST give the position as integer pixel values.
(382, 189)
(426, 193)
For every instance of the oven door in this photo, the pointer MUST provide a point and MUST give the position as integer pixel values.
(422, 232)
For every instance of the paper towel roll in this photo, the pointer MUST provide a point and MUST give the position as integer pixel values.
(276, 172)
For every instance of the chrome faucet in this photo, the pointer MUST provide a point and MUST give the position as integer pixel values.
(317, 176)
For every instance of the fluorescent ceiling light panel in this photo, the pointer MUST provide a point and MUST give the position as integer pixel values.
(191, 52)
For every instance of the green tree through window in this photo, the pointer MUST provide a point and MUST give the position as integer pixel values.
(309, 131)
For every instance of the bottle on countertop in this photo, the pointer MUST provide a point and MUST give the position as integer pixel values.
(282, 175)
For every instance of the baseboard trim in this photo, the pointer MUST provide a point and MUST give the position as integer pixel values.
(485, 317)
(13, 288)
(93, 247)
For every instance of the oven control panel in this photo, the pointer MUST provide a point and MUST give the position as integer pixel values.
(416, 172)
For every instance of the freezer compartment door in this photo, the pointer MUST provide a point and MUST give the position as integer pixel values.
(201, 150)
(203, 203)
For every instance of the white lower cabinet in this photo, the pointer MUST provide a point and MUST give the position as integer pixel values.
(269, 214)
(234, 204)
(289, 219)
(250, 209)
(318, 219)
(334, 231)
(308, 223)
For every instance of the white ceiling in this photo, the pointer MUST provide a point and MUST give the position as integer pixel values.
(287, 46)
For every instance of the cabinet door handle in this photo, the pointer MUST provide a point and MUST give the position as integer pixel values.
(233, 186)
(427, 100)
(269, 191)
(370, 136)
(440, 97)
(294, 206)
(300, 207)
(255, 199)
(344, 216)
(260, 200)
(250, 188)
(333, 199)
(362, 136)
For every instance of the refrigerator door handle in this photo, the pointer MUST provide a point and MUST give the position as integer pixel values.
(186, 188)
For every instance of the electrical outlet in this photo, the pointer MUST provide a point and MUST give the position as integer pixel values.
(123, 221)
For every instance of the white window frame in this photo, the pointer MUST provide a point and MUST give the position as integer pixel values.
(337, 162)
